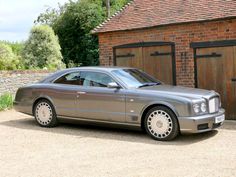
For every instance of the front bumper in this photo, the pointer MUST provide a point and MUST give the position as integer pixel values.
(201, 123)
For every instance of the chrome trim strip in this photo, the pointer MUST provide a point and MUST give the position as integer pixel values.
(99, 121)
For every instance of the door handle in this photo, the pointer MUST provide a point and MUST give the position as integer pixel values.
(233, 79)
(81, 93)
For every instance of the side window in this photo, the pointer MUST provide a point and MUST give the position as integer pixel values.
(71, 78)
(95, 79)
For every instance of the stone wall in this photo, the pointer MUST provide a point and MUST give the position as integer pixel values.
(10, 81)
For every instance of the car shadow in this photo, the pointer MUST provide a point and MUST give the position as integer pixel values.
(119, 134)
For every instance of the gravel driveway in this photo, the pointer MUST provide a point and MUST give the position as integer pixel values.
(79, 150)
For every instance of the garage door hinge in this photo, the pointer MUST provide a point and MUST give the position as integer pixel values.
(125, 55)
(209, 55)
(160, 54)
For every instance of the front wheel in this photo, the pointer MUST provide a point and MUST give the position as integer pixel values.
(161, 123)
(45, 114)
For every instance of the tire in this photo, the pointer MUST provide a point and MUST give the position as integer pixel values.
(161, 124)
(45, 114)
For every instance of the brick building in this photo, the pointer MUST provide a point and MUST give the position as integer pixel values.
(183, 42)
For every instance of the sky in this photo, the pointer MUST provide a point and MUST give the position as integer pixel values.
(17, 17)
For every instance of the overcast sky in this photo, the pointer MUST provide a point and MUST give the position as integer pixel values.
(17, 17)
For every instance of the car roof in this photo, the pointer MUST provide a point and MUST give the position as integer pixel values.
(98, 68)
(90, 68)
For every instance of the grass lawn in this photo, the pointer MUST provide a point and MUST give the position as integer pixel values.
(6, 101)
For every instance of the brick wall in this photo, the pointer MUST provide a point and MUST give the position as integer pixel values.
(10, 81)
(182, 35)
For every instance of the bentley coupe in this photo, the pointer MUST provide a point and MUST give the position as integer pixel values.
(120, 96)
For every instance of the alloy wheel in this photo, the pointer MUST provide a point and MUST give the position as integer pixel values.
(159, 124)
(43, 113)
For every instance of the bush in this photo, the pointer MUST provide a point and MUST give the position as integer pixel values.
(6, 101)
(8, 60)
(10, 55)
(42, 49)
(16, 46)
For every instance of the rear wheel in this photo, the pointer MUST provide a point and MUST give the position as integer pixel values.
(45, 114)
(161, 124)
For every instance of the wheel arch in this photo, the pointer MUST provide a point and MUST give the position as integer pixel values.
(42, 98)
(152, 105)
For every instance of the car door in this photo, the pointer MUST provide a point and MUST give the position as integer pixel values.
(64, 94)
(96, 101)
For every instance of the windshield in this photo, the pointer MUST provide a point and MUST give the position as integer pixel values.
(135, 78)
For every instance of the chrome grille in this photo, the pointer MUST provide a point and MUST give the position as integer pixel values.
(214, 105)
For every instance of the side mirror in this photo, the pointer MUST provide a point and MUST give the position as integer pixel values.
(113, 85)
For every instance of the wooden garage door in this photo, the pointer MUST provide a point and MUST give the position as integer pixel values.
(155, 60)
(216, 70)
(130, 57)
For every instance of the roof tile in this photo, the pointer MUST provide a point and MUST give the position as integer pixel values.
(148, 13)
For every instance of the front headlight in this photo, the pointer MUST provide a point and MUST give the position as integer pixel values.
(200, 107)
(203, 107)
(196, 108)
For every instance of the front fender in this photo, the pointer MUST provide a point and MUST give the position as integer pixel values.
(161, 103)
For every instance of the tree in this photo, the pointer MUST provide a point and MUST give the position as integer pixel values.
(73, 23)
(13, 50)
(51, 15)
(42, 49)
(117, 5)
(73, 29)
(8, 60)
(108, 7)
(16, 46)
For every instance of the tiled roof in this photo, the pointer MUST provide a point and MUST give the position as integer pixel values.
(149, 13)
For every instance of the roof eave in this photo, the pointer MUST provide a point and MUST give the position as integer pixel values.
(96, 31)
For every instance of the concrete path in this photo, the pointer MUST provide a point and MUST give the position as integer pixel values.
(28, 150)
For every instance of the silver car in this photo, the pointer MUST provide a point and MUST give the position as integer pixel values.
(120, 97)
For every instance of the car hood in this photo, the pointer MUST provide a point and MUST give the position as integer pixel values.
(179, 91)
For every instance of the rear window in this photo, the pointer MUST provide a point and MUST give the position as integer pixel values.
(70, 78)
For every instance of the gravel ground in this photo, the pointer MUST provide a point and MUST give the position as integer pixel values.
(79, 150)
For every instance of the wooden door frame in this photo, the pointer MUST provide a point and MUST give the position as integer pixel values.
(150, 44)
(207, 44)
